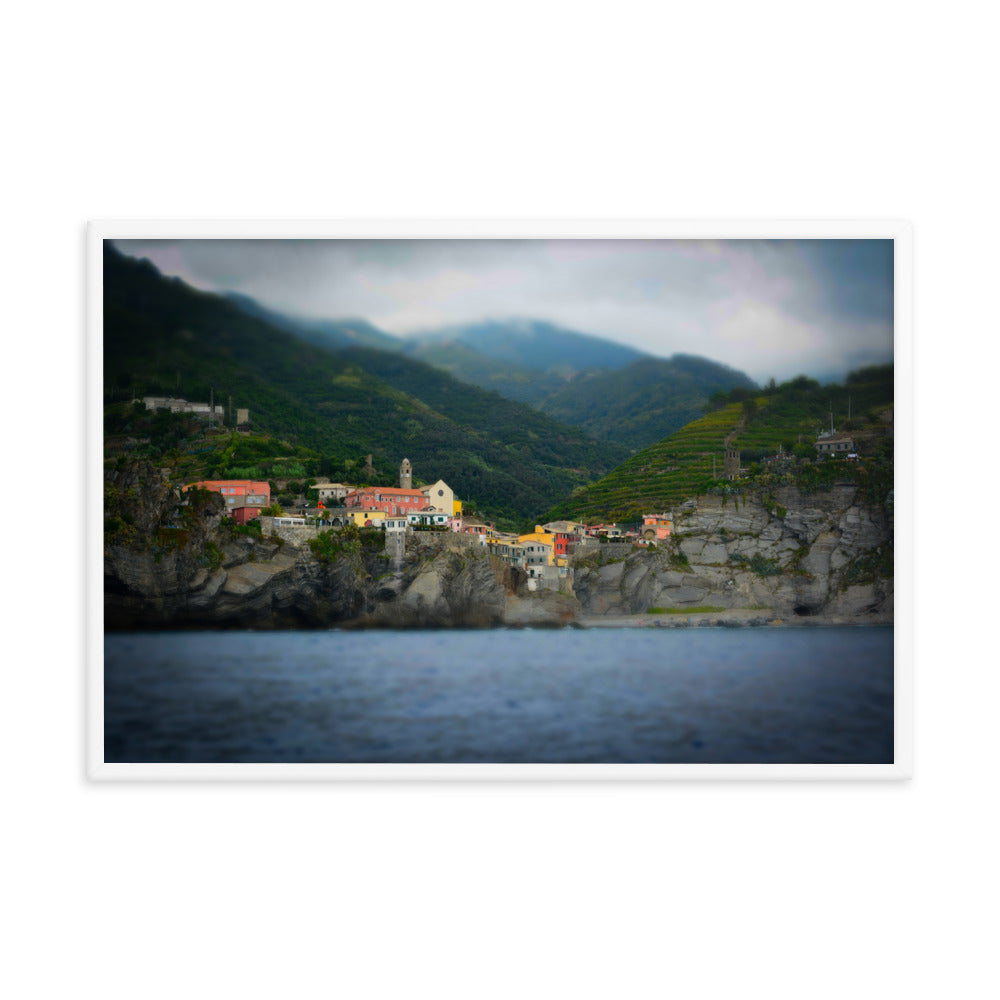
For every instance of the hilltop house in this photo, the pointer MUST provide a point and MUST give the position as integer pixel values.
(176, 405)
(656, 527)
(836, 443)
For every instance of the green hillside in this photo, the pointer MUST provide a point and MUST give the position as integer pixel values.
(612, 392)
(535, 344)
(643, 402)
(514, 381)
(162, 337)
(786, 418)
(322, 332)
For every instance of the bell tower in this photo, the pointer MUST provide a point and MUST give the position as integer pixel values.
(405, 475)
(731, 463)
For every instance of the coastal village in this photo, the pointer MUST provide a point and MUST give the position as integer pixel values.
(543, 554)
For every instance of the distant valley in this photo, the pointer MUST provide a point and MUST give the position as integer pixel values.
(613, 392)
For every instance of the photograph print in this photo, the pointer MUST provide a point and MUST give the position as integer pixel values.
(574, 505)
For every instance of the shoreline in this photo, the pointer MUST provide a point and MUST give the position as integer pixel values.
(726, 619)
(709, 619)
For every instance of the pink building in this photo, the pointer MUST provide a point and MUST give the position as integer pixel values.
(389, 499)
(236, 492)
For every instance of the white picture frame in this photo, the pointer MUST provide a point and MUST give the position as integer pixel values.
(898, 231)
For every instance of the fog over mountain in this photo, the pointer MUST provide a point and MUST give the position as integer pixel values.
(767, 307)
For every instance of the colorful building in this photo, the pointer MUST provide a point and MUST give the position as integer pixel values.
(388, 499)
(429, 517)
(243, 514)
(236, 492)
(539, 551)
(473, 526)
(656, 527)
(366, 518)
(442, 496)
(562, 534)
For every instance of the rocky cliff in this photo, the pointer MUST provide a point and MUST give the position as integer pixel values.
(261, 584)
(169, 564)
(787, 557)
(824, 555)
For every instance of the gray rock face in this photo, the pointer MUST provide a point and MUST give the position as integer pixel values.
(822, 557)
(541, 608)
(267, 586)
(293, 589)
(812, 560)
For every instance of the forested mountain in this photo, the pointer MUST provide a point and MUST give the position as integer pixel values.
(644, 401)
(163, 337)
(612, 392)
(526, 360)
(535, 345)
(510, 379)
(330, 333)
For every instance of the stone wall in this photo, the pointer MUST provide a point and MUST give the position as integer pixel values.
(294, 534)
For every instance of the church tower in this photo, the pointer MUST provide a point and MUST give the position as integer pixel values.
(405, 475)
(731, 463)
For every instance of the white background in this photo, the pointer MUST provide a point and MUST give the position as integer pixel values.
(765, 110)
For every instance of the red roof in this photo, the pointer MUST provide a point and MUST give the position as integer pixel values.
(255, 487)
(386, 490)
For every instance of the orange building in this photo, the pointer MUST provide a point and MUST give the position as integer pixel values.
(389, 499)
(656, 526)
(236, 492)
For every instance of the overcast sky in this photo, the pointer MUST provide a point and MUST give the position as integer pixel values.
(767, 307)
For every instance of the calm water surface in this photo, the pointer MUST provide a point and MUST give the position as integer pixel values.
(568, 696)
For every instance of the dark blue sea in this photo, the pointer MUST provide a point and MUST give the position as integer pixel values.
(654, 695)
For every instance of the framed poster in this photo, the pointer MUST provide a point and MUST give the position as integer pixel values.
(499, 500)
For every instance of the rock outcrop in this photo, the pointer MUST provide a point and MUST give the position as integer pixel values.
(174, 564)
(266, 586)
(823, 555)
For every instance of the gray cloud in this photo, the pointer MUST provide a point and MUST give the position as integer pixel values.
(769, 307)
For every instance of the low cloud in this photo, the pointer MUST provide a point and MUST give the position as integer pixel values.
(768, 307)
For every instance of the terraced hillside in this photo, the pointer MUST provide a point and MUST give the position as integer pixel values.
(660, 476)
(785, 418)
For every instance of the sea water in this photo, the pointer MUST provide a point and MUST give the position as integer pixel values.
(652, 695)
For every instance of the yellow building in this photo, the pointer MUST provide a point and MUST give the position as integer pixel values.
(538, 547)
(359, 517)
